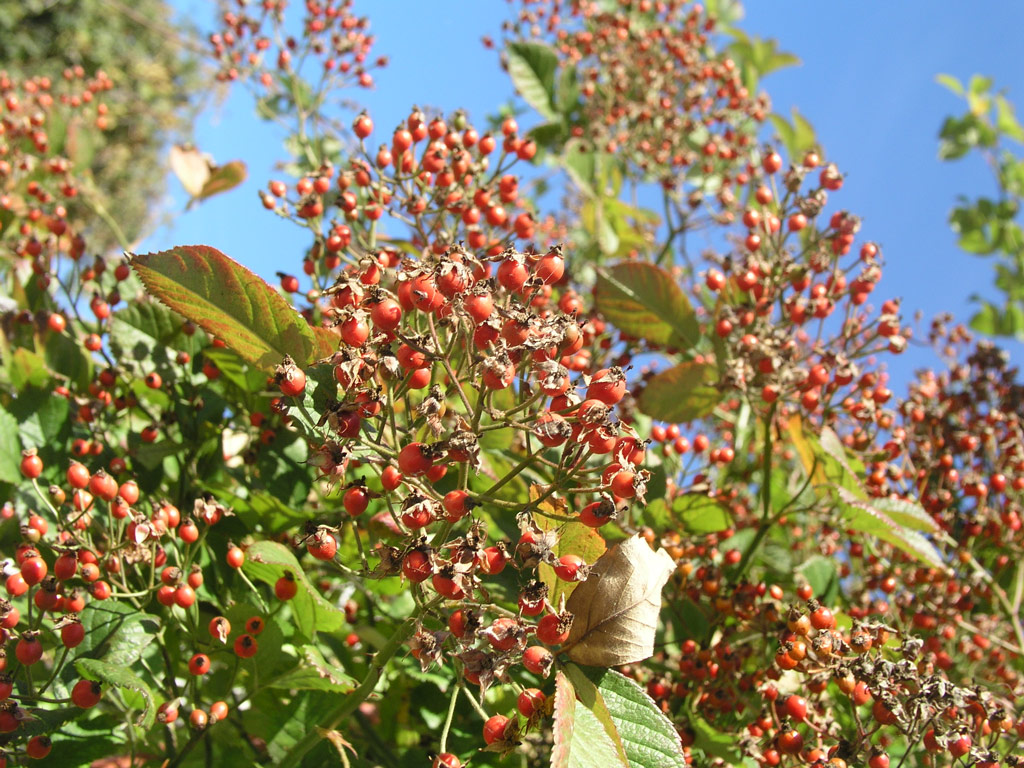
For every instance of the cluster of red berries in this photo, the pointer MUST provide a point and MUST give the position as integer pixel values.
(331, 34)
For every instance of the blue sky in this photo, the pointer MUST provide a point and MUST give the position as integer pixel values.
(866, 83)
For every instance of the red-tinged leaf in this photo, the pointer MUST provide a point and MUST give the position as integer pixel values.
(227, 301)
(325, 342)
(682, 393)
(223, 177)
(581, 739)
(643, 300)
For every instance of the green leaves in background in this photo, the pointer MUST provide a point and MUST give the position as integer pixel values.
(758, 57)
(901, 522)
(228, 301)
(120, 676)
(797, 134)
(267, 561)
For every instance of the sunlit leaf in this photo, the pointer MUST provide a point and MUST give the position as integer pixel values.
(228, 301)
(532, 67)
(644, 301)
(680, 394)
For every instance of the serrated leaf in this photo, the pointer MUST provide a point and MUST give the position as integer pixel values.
(315, 673)
(630, 716)
(325, 342)
(268, 561)
(43, 421)
(532, 67)
(616, 608)
(228, 301)
(701, 514)
(145, 330)
(907, 513)
(580, 740)
(116, 632)
(643, 300)
(68, 358)
(680, 394)
(860, 515)
(120, 677)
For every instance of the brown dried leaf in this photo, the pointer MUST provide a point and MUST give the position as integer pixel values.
(616, 608)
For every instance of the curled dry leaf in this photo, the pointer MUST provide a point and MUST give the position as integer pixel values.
(616, 608)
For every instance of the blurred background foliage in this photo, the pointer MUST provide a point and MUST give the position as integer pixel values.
(155, 67)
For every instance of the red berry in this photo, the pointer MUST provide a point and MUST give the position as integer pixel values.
(530, 701)
(568, 567)
(86, 694)
(246, 646)
(199, 664)
(494, 728)
(538, 659)
(552, 630)
(31, 465)
(285, 588)
(38, 747)
(235, 557)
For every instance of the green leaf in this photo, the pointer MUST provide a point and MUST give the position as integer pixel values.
(116, 632)
(27, 369)
(580, 739)
(951, 83)
(262, 509)
(315, 673)
(10, 449)
(715, 743)
(67, 357)
(701, 514)
(823, 577)
(907, 513)
(43, 422)
(268, 561)
(580, 163)
(861, 515)
(629, 717)
(532, 67)
(222, 178)
(644, 301)
(680, 394)
(573, 539)
(548, 135)
(567, 95)
(145, 330)
(986, 320)
(1006, 120)
(229, 302)
(120, 677)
